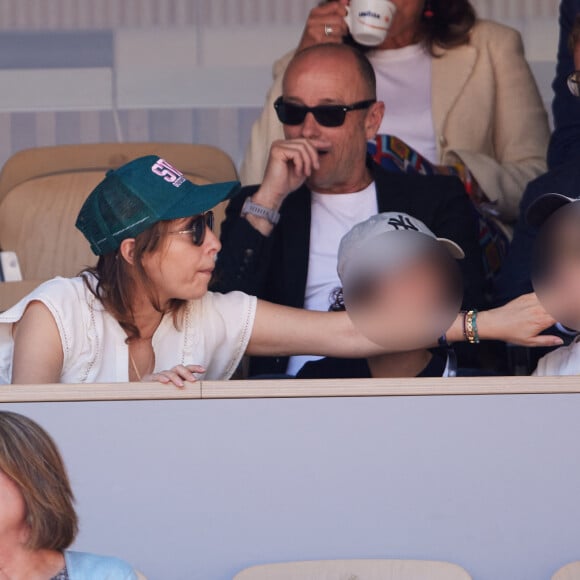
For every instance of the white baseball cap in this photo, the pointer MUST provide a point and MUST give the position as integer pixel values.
(385, 240)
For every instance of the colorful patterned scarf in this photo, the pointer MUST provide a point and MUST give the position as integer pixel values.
(395, 155)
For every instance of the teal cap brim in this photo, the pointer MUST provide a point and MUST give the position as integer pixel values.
(196, 199)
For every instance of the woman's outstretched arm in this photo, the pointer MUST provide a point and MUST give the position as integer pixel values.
(281, 330)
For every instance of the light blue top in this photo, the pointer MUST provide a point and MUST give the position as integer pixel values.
(81, 566)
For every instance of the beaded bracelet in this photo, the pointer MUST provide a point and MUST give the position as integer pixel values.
(470, 327)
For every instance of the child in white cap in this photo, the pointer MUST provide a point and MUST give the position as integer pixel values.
(390, 266)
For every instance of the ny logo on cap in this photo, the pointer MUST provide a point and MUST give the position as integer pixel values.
(402, 222)
(168, 172)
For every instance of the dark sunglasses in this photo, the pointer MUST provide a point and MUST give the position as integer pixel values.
(199, 226)
(325, 115)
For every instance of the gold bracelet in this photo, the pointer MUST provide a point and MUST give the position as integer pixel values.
(470, 327)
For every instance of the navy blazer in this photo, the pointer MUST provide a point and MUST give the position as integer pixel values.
(514, 278)
(275, 268)
(565, 142)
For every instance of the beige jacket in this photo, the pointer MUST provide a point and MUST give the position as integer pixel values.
(487, 111)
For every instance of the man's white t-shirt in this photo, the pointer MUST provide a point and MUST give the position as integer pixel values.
(333, 215)
(404, 84)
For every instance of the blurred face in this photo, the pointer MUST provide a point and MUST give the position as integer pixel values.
(327, 79)
(178, 268)
(12, 512)
(420, 299)
(556, 272)
(577, 56)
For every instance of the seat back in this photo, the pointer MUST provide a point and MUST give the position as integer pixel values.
(37, 221)
(200, 163)
(568, 572)
(12, 292)
(42, 191)
(356, 569)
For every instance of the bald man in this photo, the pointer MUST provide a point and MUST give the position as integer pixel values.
(280, 239)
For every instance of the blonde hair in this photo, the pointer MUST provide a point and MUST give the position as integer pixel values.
(30, 458)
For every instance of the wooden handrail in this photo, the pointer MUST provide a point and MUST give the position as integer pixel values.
(267, 389)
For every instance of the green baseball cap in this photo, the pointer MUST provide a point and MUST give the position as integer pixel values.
(139, 194)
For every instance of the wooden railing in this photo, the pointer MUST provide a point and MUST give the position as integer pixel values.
(261, 389)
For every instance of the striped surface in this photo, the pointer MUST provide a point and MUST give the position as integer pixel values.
(208, 103)
(226, 128)
(91, 14)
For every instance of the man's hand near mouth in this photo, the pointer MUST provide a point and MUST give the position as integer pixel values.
(290, 164)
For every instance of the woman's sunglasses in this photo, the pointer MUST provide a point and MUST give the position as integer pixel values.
(199, 226)
(573, 82)
(325, 115)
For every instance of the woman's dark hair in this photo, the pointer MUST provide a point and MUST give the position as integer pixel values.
(116, 286)
(449, 26)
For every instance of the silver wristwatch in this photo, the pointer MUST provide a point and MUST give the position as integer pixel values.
(252, 208)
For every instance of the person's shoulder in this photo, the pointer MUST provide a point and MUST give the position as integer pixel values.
(223, 304)
(569, 8)
(58, 293)
(488, 32)
(67, 291)
(91, 566)
(60, 285)
(562, 361)
(561, 179)
(409, 184)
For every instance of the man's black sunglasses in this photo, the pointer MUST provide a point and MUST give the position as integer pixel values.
(199, 226)
(325, 115)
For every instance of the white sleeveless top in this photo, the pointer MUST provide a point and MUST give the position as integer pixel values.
(214, 333)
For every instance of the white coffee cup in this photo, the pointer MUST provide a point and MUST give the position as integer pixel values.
(369, 20)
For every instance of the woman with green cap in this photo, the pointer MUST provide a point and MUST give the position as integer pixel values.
(144, 311)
